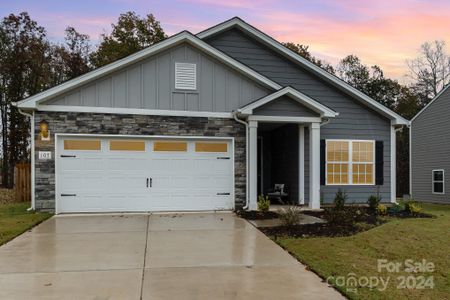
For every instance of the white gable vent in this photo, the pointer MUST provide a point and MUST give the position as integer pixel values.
(185, 76)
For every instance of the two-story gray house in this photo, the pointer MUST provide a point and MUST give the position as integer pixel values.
(430, 151)
(207, 122)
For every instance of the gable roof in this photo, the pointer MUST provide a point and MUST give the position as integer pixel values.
(432, 101)
(294, 57)
(184, 36)
(301, 98)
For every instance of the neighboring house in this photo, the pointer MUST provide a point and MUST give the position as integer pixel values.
(430, 151)
(206, 122)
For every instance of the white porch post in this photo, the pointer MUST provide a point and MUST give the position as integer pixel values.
(314, 166)
(253, 165)
(301, 164)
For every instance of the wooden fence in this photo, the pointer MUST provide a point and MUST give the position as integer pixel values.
(22, 182)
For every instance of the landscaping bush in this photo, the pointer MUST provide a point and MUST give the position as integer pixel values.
(290, 216)
(396, 208)
(381, 209)
(412, 207)
(340, 199)
(374, 202)
(263, 204)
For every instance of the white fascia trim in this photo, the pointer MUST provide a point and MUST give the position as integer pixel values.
(431, 102)
(184, 36)
(135, 111)
(399, 120)
(283, 119)
(296, 95)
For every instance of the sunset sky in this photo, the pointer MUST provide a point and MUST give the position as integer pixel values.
(382, 32)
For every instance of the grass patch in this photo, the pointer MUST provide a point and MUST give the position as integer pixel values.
(396, 241)
(15, 220)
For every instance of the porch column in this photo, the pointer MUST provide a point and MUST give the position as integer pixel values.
(301, 164)
(253, 165)
(314, 166)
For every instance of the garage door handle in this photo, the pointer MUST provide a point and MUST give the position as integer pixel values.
(223, 157)
(147, 182)
(151, 182)
(223, 194)
(68, 156)
(68, 195)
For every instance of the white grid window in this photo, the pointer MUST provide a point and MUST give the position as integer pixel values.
(350, 162)
(438, 182)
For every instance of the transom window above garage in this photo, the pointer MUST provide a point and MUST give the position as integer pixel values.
(170, 146)
(211, 147)
(127, 145)
(82, 145)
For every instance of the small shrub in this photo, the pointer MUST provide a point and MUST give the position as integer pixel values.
(396, 208)
(381, 209)
(290, 216)
(263, 204)
(374, 202)
(412, 207)
(339, 199)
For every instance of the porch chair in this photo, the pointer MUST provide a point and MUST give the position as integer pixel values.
(279, 192)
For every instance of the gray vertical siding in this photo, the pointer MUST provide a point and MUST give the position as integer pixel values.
(150, 85)
(284, 106)
(430, 149)
(356, 121)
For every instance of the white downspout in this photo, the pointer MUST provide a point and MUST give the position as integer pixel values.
(31, 116)
(246, 157)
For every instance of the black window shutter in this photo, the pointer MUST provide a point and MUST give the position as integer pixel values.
(322, 162)
(379, 163)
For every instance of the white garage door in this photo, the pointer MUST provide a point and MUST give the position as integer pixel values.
(129, 175)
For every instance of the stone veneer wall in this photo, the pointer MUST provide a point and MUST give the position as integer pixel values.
(96, 123)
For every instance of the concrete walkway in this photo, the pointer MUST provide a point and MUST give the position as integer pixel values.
(158, 256)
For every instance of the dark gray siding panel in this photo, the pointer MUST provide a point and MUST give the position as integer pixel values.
(430, 149)
(284, 106)
(150, 85)
(356, 121)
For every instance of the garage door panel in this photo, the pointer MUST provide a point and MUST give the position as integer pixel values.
(116, 181)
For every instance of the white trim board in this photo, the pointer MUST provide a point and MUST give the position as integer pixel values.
(135, 111)
(184, 36)
(283, 119)
(275, 45)
(294, 94)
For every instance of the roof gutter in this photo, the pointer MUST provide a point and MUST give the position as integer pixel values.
(31, 116)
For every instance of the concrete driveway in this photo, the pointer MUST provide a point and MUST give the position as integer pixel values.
(157, 256)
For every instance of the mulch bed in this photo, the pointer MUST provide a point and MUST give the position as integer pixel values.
(313, 230)
(256, 215)
(404, 214)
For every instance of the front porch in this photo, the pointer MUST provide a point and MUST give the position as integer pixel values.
(283, 118)
(287, 154)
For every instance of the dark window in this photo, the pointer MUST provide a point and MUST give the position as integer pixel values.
(438, 181)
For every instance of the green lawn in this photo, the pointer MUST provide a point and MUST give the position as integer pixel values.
(396, 241)
(14, 220)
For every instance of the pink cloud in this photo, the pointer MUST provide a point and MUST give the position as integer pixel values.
(386, 40)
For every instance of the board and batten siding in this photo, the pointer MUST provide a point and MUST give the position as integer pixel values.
(355, 120)
(430, 149)
(150, 84)
(285, 106)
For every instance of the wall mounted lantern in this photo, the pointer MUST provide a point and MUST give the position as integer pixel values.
(44, 132)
